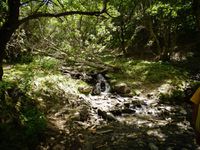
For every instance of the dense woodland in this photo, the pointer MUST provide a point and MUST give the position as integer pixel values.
(98, 74)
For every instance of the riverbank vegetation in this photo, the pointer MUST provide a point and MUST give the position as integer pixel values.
(57, 59)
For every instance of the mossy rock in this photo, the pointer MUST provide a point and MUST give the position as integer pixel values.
(121, 88)
(85, 90)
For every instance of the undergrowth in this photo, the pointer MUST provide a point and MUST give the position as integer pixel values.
(41, 88)
(31, 90)
(141, 74)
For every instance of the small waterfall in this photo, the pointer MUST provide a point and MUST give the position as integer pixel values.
(101, 86)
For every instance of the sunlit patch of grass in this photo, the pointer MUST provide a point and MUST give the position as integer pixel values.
(42, 80)
(47, 63)
(141, 74)
(38, 67)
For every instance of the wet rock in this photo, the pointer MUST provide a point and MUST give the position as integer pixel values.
(138, 104)
(110, 117)
(127, 105)
(116, 112)
(97, 89)
(84, 113)
(121, 88)
(150, 95)
(52, 138)
(106, 116)
(85, 90)
(137, 92)
(128, 111)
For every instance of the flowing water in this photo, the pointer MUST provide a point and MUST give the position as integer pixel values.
(114, 122)
(159, 123)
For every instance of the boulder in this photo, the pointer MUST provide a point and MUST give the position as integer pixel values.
(122, 89)
(85, 90)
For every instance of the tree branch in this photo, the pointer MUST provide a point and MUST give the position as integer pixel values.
(27, 2)
(67, 13)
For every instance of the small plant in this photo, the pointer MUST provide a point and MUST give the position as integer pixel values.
(47, 63)
(33, 121)
(175, 95)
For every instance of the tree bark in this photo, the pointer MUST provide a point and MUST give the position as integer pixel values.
(6, 31)
(196, 12)
(8, 28)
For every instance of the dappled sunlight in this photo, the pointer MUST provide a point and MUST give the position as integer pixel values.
(148, 76)
(165, 88)
(98, 74)
(157, 133)
(75, 117)
(57, 82)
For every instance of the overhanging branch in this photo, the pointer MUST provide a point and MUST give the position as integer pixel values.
(67, 13)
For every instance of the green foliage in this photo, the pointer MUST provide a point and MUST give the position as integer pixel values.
(23, 123)
(146, 74)
(176, 95)
(17, 50)
(19, 109)
(122, 24)
(46, 63)
(149, 71)
(3, 11)
(168, 20)
(42, 80)
(33, 121)
(172, 12)
(164, 10)
(24, 74)
(4, 85)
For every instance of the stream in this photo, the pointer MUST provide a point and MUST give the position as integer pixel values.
(107, 121)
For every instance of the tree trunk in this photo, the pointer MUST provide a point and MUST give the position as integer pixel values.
(8, 28)
(5, 35)
(153, 35)
(6, 31)
(196, 12)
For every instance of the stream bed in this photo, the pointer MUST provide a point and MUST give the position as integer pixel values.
(112, 122)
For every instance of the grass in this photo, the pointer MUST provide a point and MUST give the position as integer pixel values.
(140, 74)
(42, 81)
(44, 89)
(42, 74)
